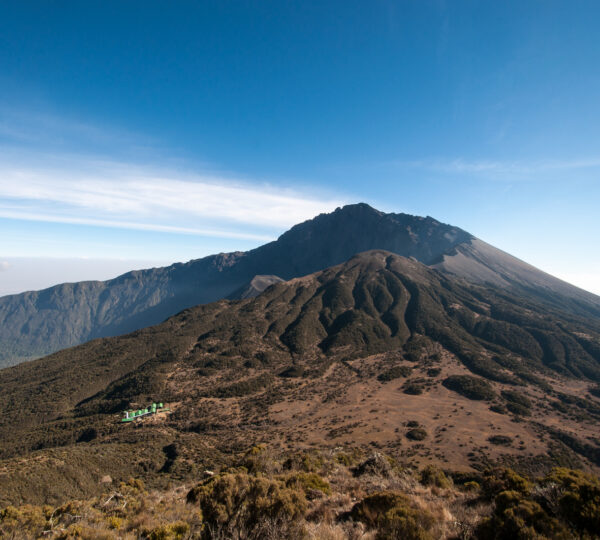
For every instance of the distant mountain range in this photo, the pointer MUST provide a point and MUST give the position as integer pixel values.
(380, 351)
(36, 323)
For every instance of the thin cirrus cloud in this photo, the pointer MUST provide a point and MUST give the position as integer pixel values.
(496, 168)
(128, 197)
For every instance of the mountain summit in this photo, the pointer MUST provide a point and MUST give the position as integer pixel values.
(37, 323)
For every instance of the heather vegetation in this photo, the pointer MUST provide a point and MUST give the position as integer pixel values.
(471, 387)
(333, 495)
(382, 367)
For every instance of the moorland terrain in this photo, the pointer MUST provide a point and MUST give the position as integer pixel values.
(378, 398)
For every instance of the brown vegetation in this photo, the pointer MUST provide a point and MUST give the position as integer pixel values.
(331, 502)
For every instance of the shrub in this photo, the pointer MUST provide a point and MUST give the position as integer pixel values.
(498, 480)
(516, 517)
(25, 519)
(413, 388)
(257, 460)
(309, 483)
(349, 458)
(393, 515)
(516, 397)
(517, 403)
(575, 497)
(498, 408)
(239, 502)
(433, 476)
(344, 459)
(471, 387)
(517, 408)
(114, 522)
(173, 531)
(394, 373)
(377, 465)
(416, 434)
(500, 440)
(305, 461)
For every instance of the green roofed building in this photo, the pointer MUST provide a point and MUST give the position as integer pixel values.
(131, 415)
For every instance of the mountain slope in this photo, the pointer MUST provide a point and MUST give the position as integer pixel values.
(360, 353)
(479, 262)
(37, 323)
(257, 285)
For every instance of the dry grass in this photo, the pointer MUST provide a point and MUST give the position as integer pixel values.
(278, 501)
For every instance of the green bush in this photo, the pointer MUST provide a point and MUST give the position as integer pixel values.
(500, 440)
(516, 397)
(517, 408)
(516, 517)
(304, 461)
(498, 480)
(413, 388)
(471, 387)
(575, 497)
(394, 373)
(498, 408)
(416, 434)
(240, 502)
(517, 403)
(344, 459)
(24, 519)
(394, 516)
(433, 476)
(257, 460)
(308, 482)
(173, 531)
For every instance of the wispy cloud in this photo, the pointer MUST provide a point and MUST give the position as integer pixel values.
(133, 197)
(499, 168)
(45, 130)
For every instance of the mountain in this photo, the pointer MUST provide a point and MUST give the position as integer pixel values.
(256, 286)
(381, 351)
(37, 323)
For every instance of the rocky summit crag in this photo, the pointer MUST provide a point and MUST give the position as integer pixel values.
(36, 323)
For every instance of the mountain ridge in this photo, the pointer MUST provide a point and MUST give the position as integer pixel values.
(37, 323)
(358, 352)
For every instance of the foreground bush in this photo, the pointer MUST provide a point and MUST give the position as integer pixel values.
(297, 503)
(432, 476)
(393, 516)
(575, 497)
(247, 506)
(516, 517)
(499, 480)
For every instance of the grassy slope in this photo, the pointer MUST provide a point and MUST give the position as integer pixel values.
(358, 352)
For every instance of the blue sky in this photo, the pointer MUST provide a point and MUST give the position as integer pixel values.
(133, 134)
